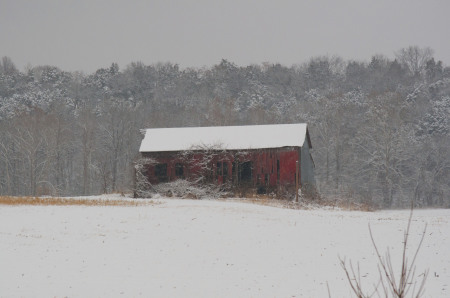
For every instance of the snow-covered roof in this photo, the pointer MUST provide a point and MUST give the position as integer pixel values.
(224, 137)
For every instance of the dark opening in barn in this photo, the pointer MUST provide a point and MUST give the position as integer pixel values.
(179, 170)
(161, 172)
(245, 171)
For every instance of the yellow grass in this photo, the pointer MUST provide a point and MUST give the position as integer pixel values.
(305, 205)
(55, 201)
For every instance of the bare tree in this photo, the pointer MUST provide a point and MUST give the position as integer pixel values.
(87, 135)
(31, 135)
(383, 148)
(6, 163)
(414, 59)
(142, 187)
(115, 128)
(7, 66)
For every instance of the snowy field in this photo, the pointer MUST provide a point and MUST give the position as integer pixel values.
(188, 248)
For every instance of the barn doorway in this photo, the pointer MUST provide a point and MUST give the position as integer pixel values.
(161, 172)
(245, 171)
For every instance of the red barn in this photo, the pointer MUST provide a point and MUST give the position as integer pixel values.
(263, 157)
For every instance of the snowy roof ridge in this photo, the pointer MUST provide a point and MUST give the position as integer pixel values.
(230, 137)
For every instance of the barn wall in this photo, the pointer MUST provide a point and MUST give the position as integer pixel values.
(269, 167)
(307, 165)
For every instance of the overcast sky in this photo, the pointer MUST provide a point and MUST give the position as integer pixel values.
(86, 35)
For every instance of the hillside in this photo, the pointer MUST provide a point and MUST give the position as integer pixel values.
(380, 132)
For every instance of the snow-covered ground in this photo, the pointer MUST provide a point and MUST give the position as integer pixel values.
(188, 248)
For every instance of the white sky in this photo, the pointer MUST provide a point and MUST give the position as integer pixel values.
(86, 35)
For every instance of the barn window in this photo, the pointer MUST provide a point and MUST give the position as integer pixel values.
(219, 169)
(161, 171)
(225, 170)
(233, 171)
(179, 170)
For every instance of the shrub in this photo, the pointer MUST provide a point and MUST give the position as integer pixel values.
(399, 288)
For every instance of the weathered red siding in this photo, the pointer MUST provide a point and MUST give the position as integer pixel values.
(270, 167)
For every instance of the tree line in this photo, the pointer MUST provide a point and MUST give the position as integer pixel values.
(379, 128)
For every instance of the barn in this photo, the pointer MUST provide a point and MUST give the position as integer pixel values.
(262, 157)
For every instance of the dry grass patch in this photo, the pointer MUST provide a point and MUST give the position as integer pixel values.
(56, 201)
(305, 204)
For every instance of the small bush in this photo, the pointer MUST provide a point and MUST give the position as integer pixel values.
(190, 190)
(407, 282)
